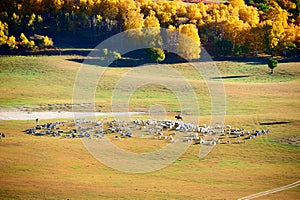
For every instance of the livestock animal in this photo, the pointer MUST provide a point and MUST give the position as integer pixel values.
(1, 136)
(178, 117)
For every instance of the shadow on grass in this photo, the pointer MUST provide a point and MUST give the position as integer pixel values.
(230, 77)
(123, 62)
(274, 123)
(132, 59)
(77, 51)
(256, 60)
(140, 57)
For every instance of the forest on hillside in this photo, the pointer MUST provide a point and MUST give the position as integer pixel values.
(236, 27)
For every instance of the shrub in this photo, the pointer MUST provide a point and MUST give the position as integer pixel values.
(290, 50)
(25, 43)
(224, 47)
(156, 54)
(11, 43)
(42, 41)
(111, 55)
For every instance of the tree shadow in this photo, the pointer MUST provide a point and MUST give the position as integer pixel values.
(131, 59)
(255, 60)
(274, 123)
(231, 77)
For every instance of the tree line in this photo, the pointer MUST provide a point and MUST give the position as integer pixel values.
(236, 27)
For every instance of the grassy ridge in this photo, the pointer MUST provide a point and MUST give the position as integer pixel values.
(43, 80)
(36, 80)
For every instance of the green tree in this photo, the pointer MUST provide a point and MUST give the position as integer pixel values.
(272, 64)
(156, 54)
(224, 47)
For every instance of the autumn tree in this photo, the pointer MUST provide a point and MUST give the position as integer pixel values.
(165, 12)
(25, 43)
(131, 15)
(151, 31)
(236, 3)
(3, 33)
(5, 40)
(193, 13)
(188, 42)
(262, 26)
(276, 22)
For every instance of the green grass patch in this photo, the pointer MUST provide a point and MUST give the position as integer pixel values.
(257, 73)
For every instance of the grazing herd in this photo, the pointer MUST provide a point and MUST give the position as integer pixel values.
(168, 130)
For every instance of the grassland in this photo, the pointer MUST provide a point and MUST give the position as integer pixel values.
(55, 168)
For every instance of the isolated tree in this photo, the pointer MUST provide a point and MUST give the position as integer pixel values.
(156, 54)
(272, 64)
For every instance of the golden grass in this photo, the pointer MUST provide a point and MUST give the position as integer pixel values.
(51, 168)
(55, 168)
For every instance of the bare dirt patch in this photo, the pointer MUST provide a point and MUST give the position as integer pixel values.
(293, 140)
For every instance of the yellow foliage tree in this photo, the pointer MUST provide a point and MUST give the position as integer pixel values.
(3, 33)
(193, 12)
(297, 36)
(110, 9)
(277, 21)
(133, 19)
(47, 41)
(188, 42)
(236, 3)
(28, 44)
(249, 14)
(11, 42)
(152, 31)
(165, 12)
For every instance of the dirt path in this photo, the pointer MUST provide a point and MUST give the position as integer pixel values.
(21, 115)
(295, 184)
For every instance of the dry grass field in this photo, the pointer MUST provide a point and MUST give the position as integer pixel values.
(58, 168)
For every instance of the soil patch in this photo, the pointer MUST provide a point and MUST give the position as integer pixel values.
(293, 140)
